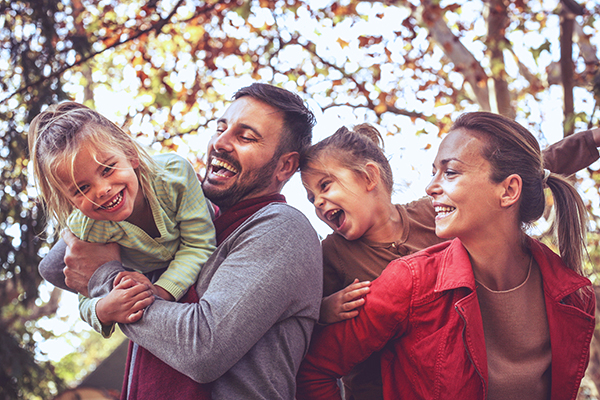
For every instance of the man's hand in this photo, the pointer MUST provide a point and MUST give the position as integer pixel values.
(83, 258)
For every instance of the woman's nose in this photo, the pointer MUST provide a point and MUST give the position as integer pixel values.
(433, 188)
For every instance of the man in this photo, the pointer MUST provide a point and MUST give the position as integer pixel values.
(251, 315)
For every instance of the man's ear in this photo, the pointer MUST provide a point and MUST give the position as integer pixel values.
(287, 166)
(372, 175)
(511, 188)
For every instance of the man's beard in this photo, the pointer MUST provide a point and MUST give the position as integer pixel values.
(245, 183)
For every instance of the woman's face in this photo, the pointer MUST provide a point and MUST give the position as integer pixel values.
(466, 201)
(341, 198)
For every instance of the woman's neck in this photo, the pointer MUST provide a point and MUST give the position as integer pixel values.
(499, 263)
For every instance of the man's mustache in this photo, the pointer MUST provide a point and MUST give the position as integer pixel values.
(225, 157)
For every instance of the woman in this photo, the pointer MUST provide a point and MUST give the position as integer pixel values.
(491, 314)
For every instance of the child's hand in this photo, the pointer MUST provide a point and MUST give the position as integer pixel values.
(125, 303)
(142, 279)
(134, 276)
(343, 305)
(159, 291)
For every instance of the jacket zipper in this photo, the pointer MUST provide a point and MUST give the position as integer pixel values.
(469, 353)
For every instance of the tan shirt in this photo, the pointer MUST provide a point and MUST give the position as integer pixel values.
(344, 260)
(517, 340)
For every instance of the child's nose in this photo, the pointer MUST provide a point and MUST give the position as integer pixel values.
(103, 191)
(319, 201)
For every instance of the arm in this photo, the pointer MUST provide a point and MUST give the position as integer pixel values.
(337, 348)
(254, 281)
(82, 258)
(125, 303)
(196, 230)
(573, 153)
(52, 265)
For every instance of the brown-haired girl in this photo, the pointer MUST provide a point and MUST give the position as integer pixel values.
(349, 181)
(100, 183)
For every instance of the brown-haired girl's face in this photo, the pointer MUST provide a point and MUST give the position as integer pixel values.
(341, 198)
(103, 185)
(465, 199)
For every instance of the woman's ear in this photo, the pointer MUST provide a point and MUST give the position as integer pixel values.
(135, 162)
(511, 188)
(372, 175)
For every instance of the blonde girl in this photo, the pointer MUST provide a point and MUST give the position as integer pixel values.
(492, 314)
(349, 181)
(99, 182)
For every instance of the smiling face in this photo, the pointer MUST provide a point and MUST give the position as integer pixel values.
(103, 185)
(466, 200)
(242, 155)
(341, 198)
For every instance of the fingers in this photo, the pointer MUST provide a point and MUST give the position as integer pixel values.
(351, 305)
(348, 315)
(356, 285)
(355, 291)
(68, 237)
(133, 276)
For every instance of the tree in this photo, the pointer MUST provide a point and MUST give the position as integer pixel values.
(409, 66)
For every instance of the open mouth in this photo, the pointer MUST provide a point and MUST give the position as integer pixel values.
(222, 168)
(114, 202)
(337, 217)
(442, 211)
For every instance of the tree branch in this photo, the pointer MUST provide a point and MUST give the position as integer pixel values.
(430, 16)
(157, 26)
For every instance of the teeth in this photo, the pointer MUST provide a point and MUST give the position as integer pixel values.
(333, 215)
(114, 202)
(223, 164)
(444, 209)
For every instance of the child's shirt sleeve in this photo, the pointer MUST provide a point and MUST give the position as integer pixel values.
(197, 234)
(87, 311)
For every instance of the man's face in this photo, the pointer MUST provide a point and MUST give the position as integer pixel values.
(241, 155)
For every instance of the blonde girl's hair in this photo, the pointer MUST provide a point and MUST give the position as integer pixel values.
(512, 149)
(352, 149)
(56, 135)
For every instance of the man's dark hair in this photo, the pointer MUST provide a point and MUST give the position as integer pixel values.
(298, 120)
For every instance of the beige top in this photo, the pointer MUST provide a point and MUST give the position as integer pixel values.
(517, 340)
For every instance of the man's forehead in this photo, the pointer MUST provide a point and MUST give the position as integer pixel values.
(247, 107)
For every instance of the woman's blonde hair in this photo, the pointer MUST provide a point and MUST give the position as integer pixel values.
(55, 137)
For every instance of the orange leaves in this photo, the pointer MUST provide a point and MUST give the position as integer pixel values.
(365, 41)
(343, 44)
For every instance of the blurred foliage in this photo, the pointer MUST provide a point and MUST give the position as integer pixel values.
(177, 61)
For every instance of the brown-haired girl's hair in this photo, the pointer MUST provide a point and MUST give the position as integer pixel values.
(55, 136)
(512, 149)
(353, 149)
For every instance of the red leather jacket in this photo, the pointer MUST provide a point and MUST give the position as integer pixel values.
(424, 313)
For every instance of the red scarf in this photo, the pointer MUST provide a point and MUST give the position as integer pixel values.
(152, 379)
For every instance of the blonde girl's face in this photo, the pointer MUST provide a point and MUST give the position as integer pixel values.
(341, 198)
(104, 184)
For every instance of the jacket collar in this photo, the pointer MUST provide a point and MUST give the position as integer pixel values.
(559, 281)
(455, 270)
